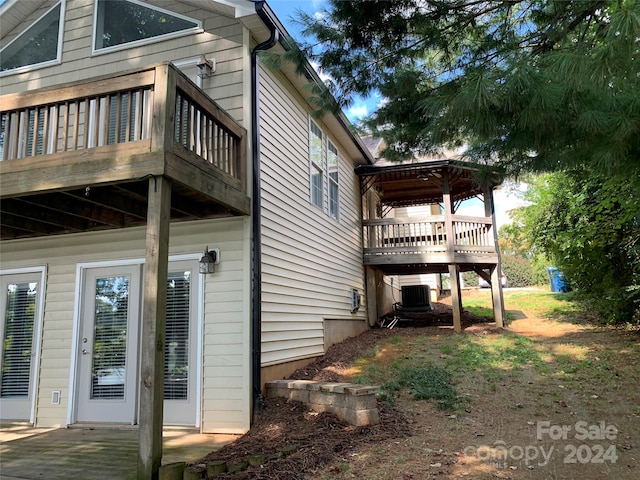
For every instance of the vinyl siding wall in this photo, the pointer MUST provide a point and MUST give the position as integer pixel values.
(222, 39)
(225, 336)
(309, 260)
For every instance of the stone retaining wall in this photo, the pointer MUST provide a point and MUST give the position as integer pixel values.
(355, 404)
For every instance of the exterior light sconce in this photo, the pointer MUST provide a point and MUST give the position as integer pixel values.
(209, 260)
(206, 67)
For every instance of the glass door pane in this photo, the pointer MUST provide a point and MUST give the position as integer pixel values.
(108, 370)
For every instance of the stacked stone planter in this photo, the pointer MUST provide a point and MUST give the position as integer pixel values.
(355, 404)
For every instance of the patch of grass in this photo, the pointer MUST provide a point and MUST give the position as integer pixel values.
(492, 355)
(414, 373)
(429, 383)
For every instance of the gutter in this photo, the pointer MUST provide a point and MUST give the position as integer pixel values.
(256, 219)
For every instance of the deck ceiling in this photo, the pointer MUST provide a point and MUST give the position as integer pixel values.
(422, 183)
(98, 208)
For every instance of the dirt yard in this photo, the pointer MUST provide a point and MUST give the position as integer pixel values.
(547, 399)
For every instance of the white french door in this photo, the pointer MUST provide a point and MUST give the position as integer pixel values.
(19, 313)
(109, 342)
(108, 353)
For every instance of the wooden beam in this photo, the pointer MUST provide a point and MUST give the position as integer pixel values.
(66, 170)
(456, 298)
(371, 295)
(153, 329)
(497, 297)
(448, 213)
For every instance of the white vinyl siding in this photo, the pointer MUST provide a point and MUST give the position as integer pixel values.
(225, 359)
(310, 261)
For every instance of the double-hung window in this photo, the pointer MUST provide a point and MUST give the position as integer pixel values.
(324, 166)
(317, 165)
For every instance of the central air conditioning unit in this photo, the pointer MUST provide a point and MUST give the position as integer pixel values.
(416, 298)
(356, 300)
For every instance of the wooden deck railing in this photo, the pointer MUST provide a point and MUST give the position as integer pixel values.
(396, 236)
(122, 110)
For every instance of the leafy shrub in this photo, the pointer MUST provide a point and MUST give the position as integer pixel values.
(517, 270)
(470, 279)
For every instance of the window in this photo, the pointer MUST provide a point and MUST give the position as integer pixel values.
(317, 165)
(121, 23)
(176, 352)
(323, 171)
(38, 45)
(332, 169)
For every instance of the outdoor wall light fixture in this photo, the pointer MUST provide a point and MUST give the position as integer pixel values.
(206, 67)
(208, 261)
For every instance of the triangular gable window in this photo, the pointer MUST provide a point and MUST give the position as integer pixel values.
(37, 45)
(120, 23)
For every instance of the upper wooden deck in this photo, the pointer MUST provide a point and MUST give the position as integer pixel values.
(428, 244)
(433, 243)
(78, 157)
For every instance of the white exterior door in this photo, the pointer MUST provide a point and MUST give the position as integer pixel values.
(19, 314)
(108, 347)
(108, 351)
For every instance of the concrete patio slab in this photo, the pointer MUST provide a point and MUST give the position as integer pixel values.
(89, 453)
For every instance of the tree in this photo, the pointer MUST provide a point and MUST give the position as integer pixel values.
(589, 226)
(535, 85)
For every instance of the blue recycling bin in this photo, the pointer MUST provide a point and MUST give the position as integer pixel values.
(557, 281)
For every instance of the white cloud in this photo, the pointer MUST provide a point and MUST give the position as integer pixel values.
(357, 112)
(323, 76)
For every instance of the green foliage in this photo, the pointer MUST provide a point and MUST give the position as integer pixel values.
(517, 270)
(430, 383)
(589, 227)
(540, 85)
(539, 266)
(470, 279)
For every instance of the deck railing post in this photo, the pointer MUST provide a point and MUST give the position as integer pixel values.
(164, 109)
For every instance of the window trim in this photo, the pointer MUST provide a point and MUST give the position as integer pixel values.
(145, 41)
(47, 63)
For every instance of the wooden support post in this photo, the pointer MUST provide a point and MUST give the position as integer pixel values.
(371, 295)
(456, 298)
(497, 297)
(448, 215)
(153, 328)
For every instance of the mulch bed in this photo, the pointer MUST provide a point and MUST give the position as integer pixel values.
(321, 439)
(318, 440)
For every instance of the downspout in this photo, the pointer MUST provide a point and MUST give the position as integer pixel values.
(256, 297)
